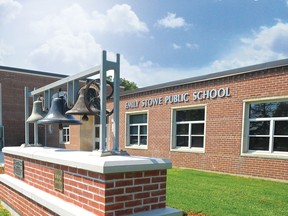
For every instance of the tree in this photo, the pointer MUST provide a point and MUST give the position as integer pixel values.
(128, 85)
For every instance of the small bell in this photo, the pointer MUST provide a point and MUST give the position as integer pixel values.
(37, 112)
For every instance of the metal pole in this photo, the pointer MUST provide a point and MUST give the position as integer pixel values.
(116, 104)
(1, 122)
(26, 95)
(102, 144)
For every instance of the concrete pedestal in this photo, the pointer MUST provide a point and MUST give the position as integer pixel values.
(65, 182)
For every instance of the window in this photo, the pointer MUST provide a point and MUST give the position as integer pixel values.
(267, 127)
(137, 131)
(97, 132)
(189, 129)
(65, 135)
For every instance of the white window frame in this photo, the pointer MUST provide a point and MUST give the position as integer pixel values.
(173, 136)
(245, 130)
(127, 132)
(61, 135)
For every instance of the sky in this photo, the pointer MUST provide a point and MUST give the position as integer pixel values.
(158, 40)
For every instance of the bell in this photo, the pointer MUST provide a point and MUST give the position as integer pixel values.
(86, 104)
(37, 112)
(56, 114)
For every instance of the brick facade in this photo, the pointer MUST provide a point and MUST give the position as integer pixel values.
(13, 81)
(102, 194)
(224, 120)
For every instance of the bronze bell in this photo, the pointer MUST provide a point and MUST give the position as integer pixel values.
(37, 112)
(87, 103)
(56, 114)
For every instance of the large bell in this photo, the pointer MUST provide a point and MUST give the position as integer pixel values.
(56, 114)
(86, 104)
(37, 112)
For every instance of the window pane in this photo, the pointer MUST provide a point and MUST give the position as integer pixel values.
(259, 128)
(198, 129)
(259, 143)
(133, 140)
(182, 141)
(133, 129)
(143, 129)
(190, 115)
(143, 140)
(273, 109)
(182, 129)
(97, 144)
(97, 132)
(140, 118)
(281, 144)
(281, 128)
(281, 109)
(197, 142)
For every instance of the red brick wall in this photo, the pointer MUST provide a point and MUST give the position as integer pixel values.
(13, 111)
(223, 124)
(102, 194)
(22, 204)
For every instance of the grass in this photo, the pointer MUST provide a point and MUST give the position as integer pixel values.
(219, 194)
(3, 211)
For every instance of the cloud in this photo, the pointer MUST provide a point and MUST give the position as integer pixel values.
(118, 19)
(176, 46)
(69, 42)
(266, 44)
(171, 21)
(5, 51)
(9, 10)
(68, 53)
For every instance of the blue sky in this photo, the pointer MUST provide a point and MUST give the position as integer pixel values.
(159, 40)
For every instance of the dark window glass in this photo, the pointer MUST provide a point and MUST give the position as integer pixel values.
(273, 109)
(259, 143)
(281, 144)
(97, 132)
(198, 129)
(136, 119)
(259, 128)
(143, 140)
(190, 115)
(133, 129)
(197, 141)
(182, 141)
(143, 129)
(133, 140)
(182, 129)
(281, 128)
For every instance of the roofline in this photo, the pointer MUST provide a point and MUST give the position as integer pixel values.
(32, 72)
(212, 76)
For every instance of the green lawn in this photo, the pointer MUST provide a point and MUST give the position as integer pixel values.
(220, 194)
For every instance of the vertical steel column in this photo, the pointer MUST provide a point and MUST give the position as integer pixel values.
(26, 101)
(1, 121)
(116, 100)
(103, 86)
(36, 140)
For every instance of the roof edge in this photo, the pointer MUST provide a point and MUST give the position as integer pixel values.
(211, 76)
(33, 72)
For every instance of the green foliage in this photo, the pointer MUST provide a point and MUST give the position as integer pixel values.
(3, 211)
(128, 85)
(220, 194)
